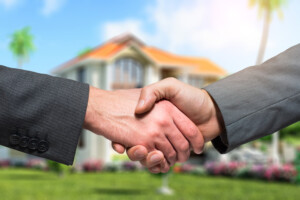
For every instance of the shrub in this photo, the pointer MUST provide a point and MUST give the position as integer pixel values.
(56, 167)
(112, 167)
(225, 169)
(129, 166)
(4, 163)
(92, 166)
(36, 164)
(285, 172)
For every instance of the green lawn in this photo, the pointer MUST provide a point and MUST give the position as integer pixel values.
(29, 184)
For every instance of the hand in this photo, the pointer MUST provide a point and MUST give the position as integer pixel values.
(193, 102)
(164, 128)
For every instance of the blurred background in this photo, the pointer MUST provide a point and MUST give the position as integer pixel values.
(129, 44)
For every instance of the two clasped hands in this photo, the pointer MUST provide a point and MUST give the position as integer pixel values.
(158, 125)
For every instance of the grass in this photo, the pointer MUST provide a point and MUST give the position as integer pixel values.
(23, 184)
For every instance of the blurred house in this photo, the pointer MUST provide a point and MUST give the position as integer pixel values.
(126, 62)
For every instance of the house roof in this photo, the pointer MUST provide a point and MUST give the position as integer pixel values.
(158, 56)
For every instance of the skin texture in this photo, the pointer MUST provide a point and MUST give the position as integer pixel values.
(164, 128)
(193, 102)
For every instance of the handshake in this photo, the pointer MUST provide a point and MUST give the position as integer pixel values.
(158, 125)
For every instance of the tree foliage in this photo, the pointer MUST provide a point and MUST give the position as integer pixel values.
(84, 51)
(268, 6)
(22, 45)
(292, 130)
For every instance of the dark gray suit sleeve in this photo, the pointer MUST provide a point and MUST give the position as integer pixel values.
(258, 100)
(40, 114)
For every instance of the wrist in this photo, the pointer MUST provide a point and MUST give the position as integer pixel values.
(92, 111)
(216, 119)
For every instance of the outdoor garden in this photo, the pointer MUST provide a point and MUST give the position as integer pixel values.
(122, 179)
(38, 41)
(33, 184)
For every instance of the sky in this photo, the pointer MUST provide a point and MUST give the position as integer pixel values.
(227, 32)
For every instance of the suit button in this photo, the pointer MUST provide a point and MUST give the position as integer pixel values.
(24, 141)
(33, 144)
(43, 146)
(14, 139)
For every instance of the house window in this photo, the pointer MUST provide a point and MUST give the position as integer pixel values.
(128, 73)
(81, 75)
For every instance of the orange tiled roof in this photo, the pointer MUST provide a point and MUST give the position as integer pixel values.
(199, 65)
(109, 49)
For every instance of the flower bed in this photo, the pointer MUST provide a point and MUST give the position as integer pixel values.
(286, 172)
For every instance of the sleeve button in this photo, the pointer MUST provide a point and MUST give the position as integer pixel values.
(43, 146)
(33, 144)
(24, 141)
(14, 139)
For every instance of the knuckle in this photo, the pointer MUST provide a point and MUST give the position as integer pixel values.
(171, 79)
(193, 132)
(183, 159)
(184, 146)
(154, 134)
(163, 122)
(172, 156)
(165, 169)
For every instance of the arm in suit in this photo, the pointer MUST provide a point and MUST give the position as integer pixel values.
(258, 100)
(40, 114)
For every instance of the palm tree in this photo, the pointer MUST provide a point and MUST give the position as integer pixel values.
(84, 51)
(265, 9)
(21, 45)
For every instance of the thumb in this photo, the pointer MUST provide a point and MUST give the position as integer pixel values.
(150, 94)
(147, 100)
(118, 147)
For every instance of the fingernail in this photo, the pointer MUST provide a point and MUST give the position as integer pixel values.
(198, 152)
(139, 154)
(155, 158)
(141, 103)
(155, 169)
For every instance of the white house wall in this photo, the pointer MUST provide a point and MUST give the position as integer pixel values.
(152, 74)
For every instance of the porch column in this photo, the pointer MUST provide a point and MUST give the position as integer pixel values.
(275, 150)
(152, 74)
(109, 75)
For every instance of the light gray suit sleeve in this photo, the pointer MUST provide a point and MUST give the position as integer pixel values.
(258, 100)
(40, 114)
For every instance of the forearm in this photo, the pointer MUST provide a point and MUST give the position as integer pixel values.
(258, 100)
(44, 108)
(214, 126)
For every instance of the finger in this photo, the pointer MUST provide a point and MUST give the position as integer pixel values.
(155, 92)
(180, 144)
(164, 167)
(153, 161)
(167, 149)
(144, 162)
(154, 158)
(155, 170)
(189, 130)
(147, 100)
(137, 153)
(118, 147)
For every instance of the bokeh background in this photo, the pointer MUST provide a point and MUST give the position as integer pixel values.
(215, 37)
